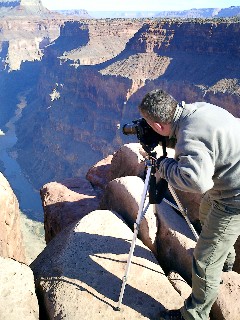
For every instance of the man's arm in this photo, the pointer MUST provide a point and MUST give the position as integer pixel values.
(192, 172)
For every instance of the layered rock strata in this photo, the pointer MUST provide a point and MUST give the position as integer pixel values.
(23, 40)
(100, 70)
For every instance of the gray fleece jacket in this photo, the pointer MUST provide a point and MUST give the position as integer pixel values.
(207, 152)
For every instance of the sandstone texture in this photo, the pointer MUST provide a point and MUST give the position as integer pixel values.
(17, 291)
(11, 242)
(175, 242)
(179, 284)
(65, 202)
(226, 305)
(128, 160)
(79, 273)
(98, 175)
(164, 232)
(124, 196)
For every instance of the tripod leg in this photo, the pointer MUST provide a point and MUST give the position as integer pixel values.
(136, 229)
(183, 211)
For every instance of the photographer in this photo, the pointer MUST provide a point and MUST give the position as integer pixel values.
(207, 161)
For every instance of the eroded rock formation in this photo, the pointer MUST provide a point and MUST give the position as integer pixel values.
(100, 70)
(24, 39)
(17, 290)
(11, 242)
(65, 202)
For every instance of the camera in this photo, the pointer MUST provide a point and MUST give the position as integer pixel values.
(148, 138)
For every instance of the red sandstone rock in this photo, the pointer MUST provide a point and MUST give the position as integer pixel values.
(174, 241)
(11, 242)
(227, 305)
(191, 202)
(163, 231)
(124, 195)
(179, 284)
(128, 161)
(65, 202)
(98, 174)
(17, 291)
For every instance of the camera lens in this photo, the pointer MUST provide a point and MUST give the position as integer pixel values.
(129, 129)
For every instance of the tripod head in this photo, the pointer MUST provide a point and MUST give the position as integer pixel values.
(149, 139)
(157, 190)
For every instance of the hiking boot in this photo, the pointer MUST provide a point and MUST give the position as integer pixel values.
(227, 267)
(171, 315)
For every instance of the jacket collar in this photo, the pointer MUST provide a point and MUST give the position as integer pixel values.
(176, 117)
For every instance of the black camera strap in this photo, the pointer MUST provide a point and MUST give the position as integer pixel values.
(164, 147)
(157, 190)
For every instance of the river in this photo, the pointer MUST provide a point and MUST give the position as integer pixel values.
(28, 198)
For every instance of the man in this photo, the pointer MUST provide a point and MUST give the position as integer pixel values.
(207, 161)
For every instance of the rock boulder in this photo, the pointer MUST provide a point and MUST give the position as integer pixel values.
(65, 202)
(98, 175)
(124, 196)
(17, 291)
(11, 241)
(79, 273)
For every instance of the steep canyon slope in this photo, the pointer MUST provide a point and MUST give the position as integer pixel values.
(26, 28)
(91, 78)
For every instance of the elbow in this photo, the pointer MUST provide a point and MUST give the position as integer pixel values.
(196, 184)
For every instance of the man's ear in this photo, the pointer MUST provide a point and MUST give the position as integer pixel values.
(157, 127)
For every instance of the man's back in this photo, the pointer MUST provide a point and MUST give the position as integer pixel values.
(212, 133)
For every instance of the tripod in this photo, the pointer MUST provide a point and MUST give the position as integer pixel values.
(150, 174)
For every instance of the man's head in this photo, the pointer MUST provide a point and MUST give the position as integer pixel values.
(158, 109)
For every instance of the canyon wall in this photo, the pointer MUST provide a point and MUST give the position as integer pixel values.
(26, 28)
(92, 77)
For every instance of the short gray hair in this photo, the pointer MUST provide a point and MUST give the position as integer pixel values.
(157, 105)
